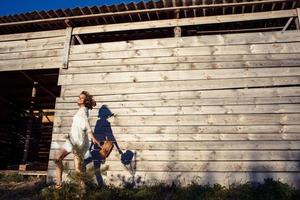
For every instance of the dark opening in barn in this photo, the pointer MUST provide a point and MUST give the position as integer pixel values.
(27, 103)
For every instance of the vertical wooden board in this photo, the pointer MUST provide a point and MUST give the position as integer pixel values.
(67, 47)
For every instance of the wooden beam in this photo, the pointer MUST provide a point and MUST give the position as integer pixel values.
(297, 24)
(79, 39)
(204, 9)
(126, 7)
(67, 47)
(138, 14)
(287, 24)
(283, 5)
(145, 6)
(91, 12)
(223, 9)
(69, 23)
(298, 15)
(103, 18)
(273, 6)
(112, 14)
(194, 10)
(155, 6)
(88, 21)
(186, 21)
(44, 114)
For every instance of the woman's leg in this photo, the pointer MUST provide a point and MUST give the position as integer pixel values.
(78, 168)
(59, 166)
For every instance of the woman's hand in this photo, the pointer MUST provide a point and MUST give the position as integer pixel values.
(95, 141)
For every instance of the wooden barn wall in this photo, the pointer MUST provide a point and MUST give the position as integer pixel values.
(219, 108)
(36, 50)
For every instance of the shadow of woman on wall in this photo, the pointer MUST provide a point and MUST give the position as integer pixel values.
(102, 132)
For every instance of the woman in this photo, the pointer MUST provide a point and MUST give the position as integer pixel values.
(78, 141)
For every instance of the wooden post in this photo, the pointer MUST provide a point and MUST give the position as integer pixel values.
(297, 23)
(69, 23)
(177, 29)
(67, 47)
(29, 124)
(298, 18)
(177, 13)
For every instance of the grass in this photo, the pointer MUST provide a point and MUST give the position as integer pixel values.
(23, 187)
(15, 186)
(269, 190)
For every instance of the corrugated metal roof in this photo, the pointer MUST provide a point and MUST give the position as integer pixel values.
(134, 12)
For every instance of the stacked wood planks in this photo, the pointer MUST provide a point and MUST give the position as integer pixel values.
(37, 50)
(219, 108)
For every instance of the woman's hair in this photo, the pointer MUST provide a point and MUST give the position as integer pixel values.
(89, 102)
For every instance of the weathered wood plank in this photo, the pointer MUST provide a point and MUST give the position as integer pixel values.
(298, 14)
(204, 145)
(31, 48)
(31, 54)
(194, 137)
(201, 178)
(183, 59)
(290, 56)
(185, 21)
(33, 63)
(29, 61)
(169, 86)
(193, 110)
(44, 65)
(202, 166)
(165, 155)
(32, 35)
(134, 77)
(192, 51)
(181, 66)
(31, 42)
(221, 119)
(64, 104)
(67, 45)
(194, 41)
(211, 129)
(240, 94)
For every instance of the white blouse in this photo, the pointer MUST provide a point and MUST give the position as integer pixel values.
(79, 132)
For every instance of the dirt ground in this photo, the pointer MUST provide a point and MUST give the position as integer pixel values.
(21, 190)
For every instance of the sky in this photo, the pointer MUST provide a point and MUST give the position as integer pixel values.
(11, 7)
